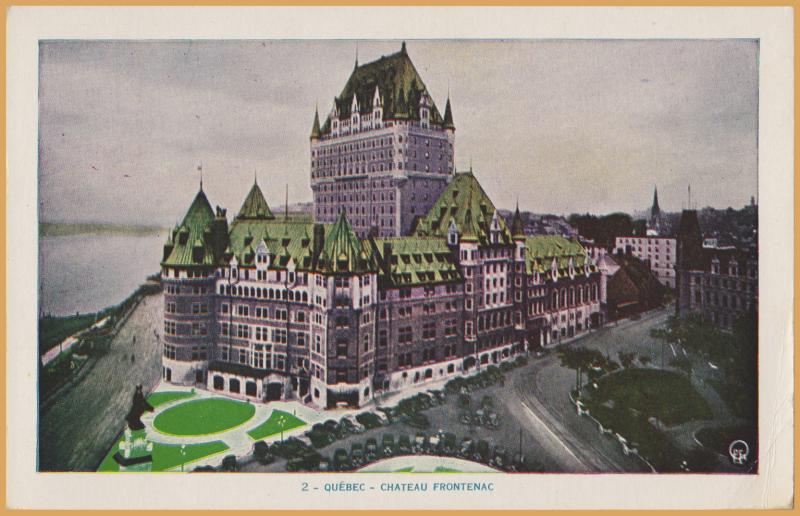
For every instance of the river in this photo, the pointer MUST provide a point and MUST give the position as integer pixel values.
(89, 272)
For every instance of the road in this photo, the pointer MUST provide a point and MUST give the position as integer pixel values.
(80, 426)
(542, 396)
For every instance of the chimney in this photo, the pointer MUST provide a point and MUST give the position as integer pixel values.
(318, 240)
(387, 253)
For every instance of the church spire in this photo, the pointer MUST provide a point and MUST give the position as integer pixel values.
(655, 210)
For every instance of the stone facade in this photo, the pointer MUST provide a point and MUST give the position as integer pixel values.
(721, 284)
(309, 311)
(659, 252)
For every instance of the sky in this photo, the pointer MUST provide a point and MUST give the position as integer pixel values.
(563, 126)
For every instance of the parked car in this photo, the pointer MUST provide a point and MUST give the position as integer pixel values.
(341, 461)
(420, 444)
(387, 445)
(357, 454)
(371, 449)
(404, 445)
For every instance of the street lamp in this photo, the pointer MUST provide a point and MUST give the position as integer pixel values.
(281, 423)
(183, 456)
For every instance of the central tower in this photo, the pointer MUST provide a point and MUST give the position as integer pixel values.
(384, 153)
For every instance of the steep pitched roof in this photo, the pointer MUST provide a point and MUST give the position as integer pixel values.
(284, 240)
(343, 251)
(398, 82)
(255, 206)
(315, 131)
(465, 203)
(448, 116)
(540, 251)
(408, 261)
(190, 240)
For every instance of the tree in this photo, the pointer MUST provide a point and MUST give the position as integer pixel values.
(580, 359)
(626, 358)
(261, 452)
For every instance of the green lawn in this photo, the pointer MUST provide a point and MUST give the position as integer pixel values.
(159, 398)
(204, 416)
(167, 456)
(625, 401)
(667, 395)
(272, 425)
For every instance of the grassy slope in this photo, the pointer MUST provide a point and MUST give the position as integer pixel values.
(271, 427)
(167, 456)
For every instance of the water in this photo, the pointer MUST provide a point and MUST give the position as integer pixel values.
(86, 273)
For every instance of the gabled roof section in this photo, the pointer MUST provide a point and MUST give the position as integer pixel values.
(255, 206)
(284, 240)
(343, 251)
(411, 261)
(465, 203)
(190, 241)
(540, 251)
(398, 82)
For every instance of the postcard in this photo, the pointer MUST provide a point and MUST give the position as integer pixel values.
(347, 258)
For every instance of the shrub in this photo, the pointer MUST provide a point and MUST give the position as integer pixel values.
(261, 453)
(419, 420)
(369, 420)
(229, 463)
(464, 400)
(521, 361)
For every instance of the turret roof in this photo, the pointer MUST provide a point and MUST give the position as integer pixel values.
(343, 251)
(191, 233)
(465, 203)
(255, 206)
(398, 82)
(415, 261)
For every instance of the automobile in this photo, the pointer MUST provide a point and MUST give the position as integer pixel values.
(371, 449)
(382, 416)
(500, 458)
(404, 445)
(341, 461)
(357, 454)
(420, 443)
(467, 447)
(387, 445)
(449, 443)
(482, 451)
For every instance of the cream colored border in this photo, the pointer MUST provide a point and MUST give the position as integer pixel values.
(773, 26)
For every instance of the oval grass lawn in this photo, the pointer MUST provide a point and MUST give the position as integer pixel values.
(203, 417)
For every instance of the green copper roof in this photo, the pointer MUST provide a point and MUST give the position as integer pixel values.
(408, 261)
(255, 206)
(343, 251)
(540, 251)
(190, 240)
(315, 131)
(399, 84)
(284, 240)
(465, 203)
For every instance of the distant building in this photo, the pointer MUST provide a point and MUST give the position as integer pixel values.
(657, 251)
(632, 288)
(384, 152)
(719, 283)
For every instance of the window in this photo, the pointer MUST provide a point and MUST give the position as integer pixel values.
(405, 335)
(341, 348)
(429, 330)
(243, 310)
(279, 336)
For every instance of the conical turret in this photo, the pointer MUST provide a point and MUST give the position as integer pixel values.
(448, 116)
(517, 227)
(255, 206)
(315, 130)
